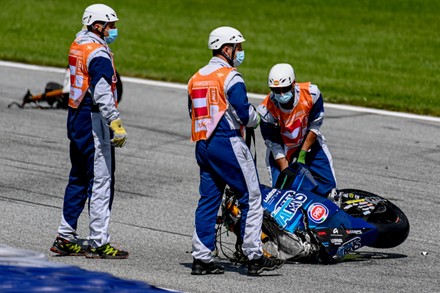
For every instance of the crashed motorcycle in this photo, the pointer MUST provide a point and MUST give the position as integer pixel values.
(299, 225)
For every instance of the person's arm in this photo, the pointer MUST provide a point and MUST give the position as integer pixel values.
(270, 131)
(189, 106)
(316, 118)
(101, 72)
(282, 163)
(237, 98)
(307, 144)
(316, 115)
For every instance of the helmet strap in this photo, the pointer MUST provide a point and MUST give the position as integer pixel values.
(101, 32)
(230, 60)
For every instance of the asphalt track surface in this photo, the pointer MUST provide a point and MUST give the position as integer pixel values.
(157, 192)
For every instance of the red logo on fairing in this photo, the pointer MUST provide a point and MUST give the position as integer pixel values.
(317, 212)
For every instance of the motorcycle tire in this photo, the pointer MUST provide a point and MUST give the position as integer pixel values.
(391, 223)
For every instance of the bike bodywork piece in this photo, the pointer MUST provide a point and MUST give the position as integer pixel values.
(303, 226)
(56, 95)
(53, 95)
(335, 231)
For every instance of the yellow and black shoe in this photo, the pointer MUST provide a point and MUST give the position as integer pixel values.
(65, 247)
(106, 251)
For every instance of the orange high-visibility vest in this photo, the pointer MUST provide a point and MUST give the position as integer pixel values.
(79, 75)
(207, 93)
(294, 123)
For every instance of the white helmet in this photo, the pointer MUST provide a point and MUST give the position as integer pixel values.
(224, 35)
(98, 12)
(281, 75)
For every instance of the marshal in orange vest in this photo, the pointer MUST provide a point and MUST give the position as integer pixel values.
(207, 93)
(79, 75)
(293, 123)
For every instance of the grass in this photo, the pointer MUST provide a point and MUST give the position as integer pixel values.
(373, 53)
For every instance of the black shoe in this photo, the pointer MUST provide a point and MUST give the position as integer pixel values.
(65, 247)
(257, 266)
(202, 268)
(239, 257)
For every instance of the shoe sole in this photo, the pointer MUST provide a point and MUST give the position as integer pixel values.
(261, 270)
(105, 256)
(199, 273)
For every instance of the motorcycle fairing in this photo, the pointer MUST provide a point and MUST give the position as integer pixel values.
(336, 230)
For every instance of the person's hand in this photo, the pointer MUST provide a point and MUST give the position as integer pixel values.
(119, 133)
(302, 157)
(286, 178)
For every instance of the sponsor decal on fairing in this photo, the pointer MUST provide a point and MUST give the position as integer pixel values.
(349, 246)
(336, 232)
(270, 195)
(357, 232)
(336, 241)
(317, 212)
(286, 208)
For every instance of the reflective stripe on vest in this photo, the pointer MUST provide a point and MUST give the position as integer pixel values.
(294, 123)
(79, 75)
(209, 103)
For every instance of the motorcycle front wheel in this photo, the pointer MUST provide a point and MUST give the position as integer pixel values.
(391, 223)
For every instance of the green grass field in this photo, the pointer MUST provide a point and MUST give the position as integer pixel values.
(377, 53)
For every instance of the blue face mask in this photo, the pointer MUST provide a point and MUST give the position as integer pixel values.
(239, 58)
(112, 35)
(283, 98)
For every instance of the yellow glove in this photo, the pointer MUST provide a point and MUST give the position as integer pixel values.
(119, 134)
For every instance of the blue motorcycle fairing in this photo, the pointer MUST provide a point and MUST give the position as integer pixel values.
(339, 232)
